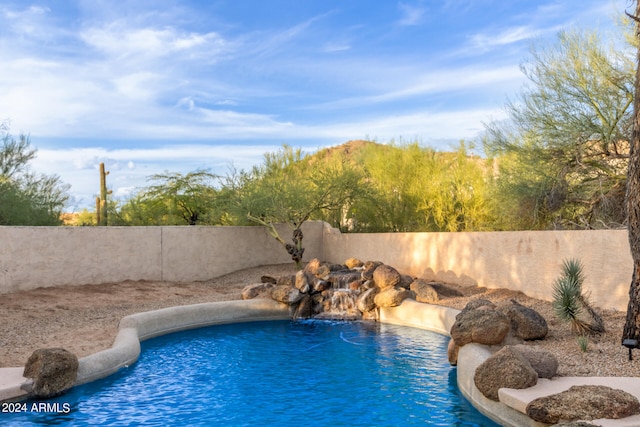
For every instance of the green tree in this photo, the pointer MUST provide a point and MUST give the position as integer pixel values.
(27, 198)
(567, 143)
(416, 188)
(459, 194)
(173, 199)
(394, 172)
(290, 188)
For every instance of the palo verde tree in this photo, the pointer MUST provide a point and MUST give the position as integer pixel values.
(173, 199)
(416, 188)
(288, 188)
(563, 153)
(27, 198)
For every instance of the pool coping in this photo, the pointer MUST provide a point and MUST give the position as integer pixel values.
(138, 327)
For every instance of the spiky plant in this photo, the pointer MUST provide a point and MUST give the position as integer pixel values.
(569, 302)
(583, 343)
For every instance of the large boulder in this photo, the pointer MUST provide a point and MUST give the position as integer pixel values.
(505, 368)
(405, 281)
(586, 402)
(286, 294)
(368, 269)
(478, 303)
(526, 323)
(288, 280)
(318, 269)
(424, 291)
(258, 290)
(542, 361)
(392, 297)
(366, 300)
(305, 308)
(302, 282)
(53, 370)
(386, 276)
(487, 327)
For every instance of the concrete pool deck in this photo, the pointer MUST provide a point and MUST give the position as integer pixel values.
(141, 326)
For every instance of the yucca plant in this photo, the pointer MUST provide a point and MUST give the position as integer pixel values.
(570, 304)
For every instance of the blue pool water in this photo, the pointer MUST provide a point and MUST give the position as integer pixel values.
(308, 373)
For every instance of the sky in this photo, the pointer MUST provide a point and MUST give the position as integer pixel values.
(148, 86)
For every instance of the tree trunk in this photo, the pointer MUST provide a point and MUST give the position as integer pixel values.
(632, 324)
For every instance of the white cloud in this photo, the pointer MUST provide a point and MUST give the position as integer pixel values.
(485, 41)
(432, 82)
(410, 15)
(118, 41)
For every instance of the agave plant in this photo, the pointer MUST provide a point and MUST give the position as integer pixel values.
(570, 304)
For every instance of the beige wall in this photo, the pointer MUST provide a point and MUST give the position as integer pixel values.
(32, 257)
(529, 261)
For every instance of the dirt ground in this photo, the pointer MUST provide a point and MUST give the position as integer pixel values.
(84, 319)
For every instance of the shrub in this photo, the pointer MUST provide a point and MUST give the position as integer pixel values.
(570, 304)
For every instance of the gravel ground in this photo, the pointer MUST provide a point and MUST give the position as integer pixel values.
(84, 319)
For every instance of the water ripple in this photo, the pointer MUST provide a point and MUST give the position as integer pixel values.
(312, 373)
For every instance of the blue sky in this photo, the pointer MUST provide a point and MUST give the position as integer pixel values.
(162, 85)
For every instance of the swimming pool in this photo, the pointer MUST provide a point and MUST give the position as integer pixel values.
(309, 373)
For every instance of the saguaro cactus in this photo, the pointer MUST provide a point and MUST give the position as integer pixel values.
(101, 202)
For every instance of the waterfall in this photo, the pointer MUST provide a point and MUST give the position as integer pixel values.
(340, 299)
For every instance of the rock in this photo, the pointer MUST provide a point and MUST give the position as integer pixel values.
(368, 284)
(286, 294)
(353, 263)
(506, 368)
(369, 268)
(475, 304)
(424, 291)
(289, 280)
(53, 370)
(405, 281)
(392, 297)
(268, 279)
(445, 291)
(304, 309)
(487, 327)
(366, 300)
(386, 276)
(354, 286)
(542, 361)
(452, 352)
(526, 323)
(321, 286)
(336, 267)
(302, 282)
(318, 269)
(258, 290)
(587, 402)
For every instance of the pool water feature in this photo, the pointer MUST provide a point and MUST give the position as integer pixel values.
(315, 373)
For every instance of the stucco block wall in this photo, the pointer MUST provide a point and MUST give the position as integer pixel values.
(200, 253)
(33, 257)
(528, 261)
